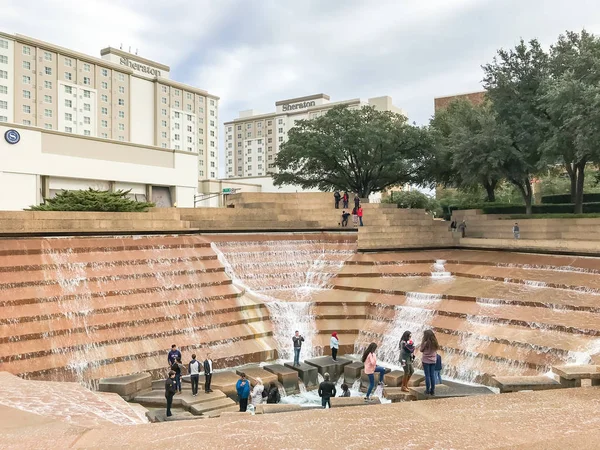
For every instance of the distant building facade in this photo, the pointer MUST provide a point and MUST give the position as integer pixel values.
(477, 98)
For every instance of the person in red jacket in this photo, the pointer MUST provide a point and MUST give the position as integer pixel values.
(359, 212)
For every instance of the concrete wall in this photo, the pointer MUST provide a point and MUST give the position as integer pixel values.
(142, 109)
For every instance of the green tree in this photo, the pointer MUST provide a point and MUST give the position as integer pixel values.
(92, 200)
(570, 102)
(473, 145)
(363, 150)
(513, 81)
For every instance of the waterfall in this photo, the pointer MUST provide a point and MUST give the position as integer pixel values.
(439, 270)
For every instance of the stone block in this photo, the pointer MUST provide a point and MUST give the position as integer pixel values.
(126, 386)
(220, 403)
(307, 374)
(578, 372)
(223, 381)
(276, 408)
(533, 383)
(352, 372)
(341, 402)
(254, 372)
(160, 415)
(287, 377)
(326, 364)
(416, 380)
(229, 410)
(395, 394)
(419, 391)
(187, 399)
(394, 378)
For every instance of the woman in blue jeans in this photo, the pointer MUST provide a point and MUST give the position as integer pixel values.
(429, 348)
(371, 367)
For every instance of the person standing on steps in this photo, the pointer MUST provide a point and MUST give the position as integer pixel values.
(297, 339)
(345, 216)
(516, 231)
(356, 200)
(355, 217)
(170, 389)
(177, 367)
(256, 396)
(370, 361)
(243, 391)
(463, 228)
(208, 371)
(334, 343)
(194, 371)
(173, 355)
(326, 391)
(359, 213)
(407, 356)
(336, 197)
(345, 199)
(429, 348)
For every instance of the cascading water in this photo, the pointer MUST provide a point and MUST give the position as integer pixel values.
(283, 275)
(439, 270)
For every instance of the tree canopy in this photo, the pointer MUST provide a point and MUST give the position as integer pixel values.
(363, 150)
(92, 200)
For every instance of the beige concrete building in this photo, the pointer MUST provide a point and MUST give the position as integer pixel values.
(120, 96)
(252, 141)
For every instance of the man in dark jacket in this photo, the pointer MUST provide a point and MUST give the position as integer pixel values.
(273, 396)
(326, 391)
(337, 197)
(208, 371)
(297, 339)
(170, 389)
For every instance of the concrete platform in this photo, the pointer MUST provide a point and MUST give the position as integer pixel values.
(395, 394)
(287, 377)
(160, 415)
(532, 383)
(306, 373)
(202, 408)
(394, 378)
(127, 386)
(352, 372)
(254, 372)
(186, 400)
(326, 364)
(341, 402)
(588, 372)
(277, 408)
(223, 381)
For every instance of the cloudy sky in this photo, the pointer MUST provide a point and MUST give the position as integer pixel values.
(252, 53)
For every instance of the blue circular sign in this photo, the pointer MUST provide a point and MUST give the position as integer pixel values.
(12, 136)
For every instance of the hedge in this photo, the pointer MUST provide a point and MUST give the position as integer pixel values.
(566, 198)
(564, 208)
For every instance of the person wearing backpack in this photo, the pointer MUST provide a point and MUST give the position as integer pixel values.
(273, 397)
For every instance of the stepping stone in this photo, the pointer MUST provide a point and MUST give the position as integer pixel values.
(254, 372)
(352, 372)
(223, 381)
(277, 408)
(396, 395)
(571, 376)
(394, 378)
(416, 380)
(326, 364)
(286, 376)
(220, 403)
(533, 383)
(160, 415)
(227, 411)
(441, 390)
(364, 378)
(341, 402)
(306, 373)
(127, 386)
(187, 399)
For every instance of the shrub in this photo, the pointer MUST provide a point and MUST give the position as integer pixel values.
(93, 200)
(414, 200)
(566, 198)
(564, 208)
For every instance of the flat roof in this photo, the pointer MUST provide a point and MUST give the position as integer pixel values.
(302, 99)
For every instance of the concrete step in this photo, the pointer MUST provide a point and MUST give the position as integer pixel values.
(217, 404)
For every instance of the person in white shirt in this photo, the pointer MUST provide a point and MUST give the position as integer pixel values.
(194, 371)
(334, 343)
(256, 396)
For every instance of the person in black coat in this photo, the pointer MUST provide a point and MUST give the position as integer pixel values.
(326, 391)
(170, 389)
(208, 371)
(273, 396)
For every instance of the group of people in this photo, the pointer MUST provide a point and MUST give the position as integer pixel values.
(357, 211)
(255, 395)
(462, 228)
(176, 369)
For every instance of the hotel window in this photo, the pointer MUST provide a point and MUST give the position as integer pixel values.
(121, 77)
(48, 70)
(104, 110)
(176, 137)
(86, 81)
(259, 133)
(189, 117)
(176, 92)
(104, 72)
(200, 141)
(121, 127)
(249, 134)
(87, 94)
(212, 133)
(87, 120)
(212, 154)
(280, 138)
(200, 131)
(189, 107)
(280, 121)
(164, 134)
(164, 145)
(48, 113)
(87, 133)
(48, 84)
(3, 89)
(164, 101)
(280, 130)
(212, 123)
(239, 127)
(48, 56)
(269, 131)
(68, 129)
(26, 50)
(212, 143)
(270, 157)
(270, 140)
(27, 109)
(68, 90)
(68, 76)
(26, 79)
(104, 123)
(189, 128)
(68, 62)
(26, 94)
(164, 112)
(3, 74)
(104, 135)
(177, 103)
(212, 113)
(3, 104)
(48, 98)
(86, 67)
(3, 119)
(121, 138)
(121, 102)
(239, 135)
(269, 149)
(177, 126)
(201, 110)
(104, 85)
(104, 98)
(68, 116)
(48, 126)
(249, 126)
(164, 123)
(189, 139)
(121, 114)
(212, 102)
(212, 164)
(3, 43)
(269, 123)
(176, 115)
(164, 88)
(87, 107)
(189, 96)
(177, 147)
(3, 59)
(259, 125)
(121, 90)
(68, 103)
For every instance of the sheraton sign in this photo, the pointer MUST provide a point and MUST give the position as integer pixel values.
(295, 106)
(140, 67)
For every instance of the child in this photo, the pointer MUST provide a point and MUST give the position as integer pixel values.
(438, 369)
(345, 390)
